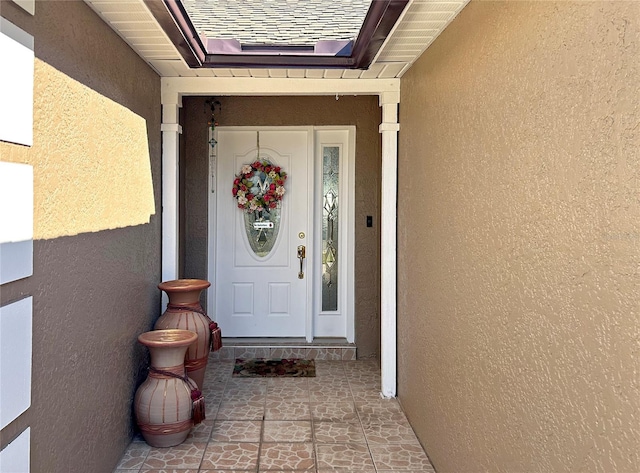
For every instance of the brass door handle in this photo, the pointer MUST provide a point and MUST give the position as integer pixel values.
(302, 254)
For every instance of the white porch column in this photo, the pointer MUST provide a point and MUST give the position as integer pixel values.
(389, 129)
(171, 131)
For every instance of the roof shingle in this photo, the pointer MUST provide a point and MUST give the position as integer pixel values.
(278, 22)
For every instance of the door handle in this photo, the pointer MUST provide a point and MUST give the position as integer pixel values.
(302, 254)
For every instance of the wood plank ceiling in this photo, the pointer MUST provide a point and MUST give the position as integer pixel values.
(420, 24)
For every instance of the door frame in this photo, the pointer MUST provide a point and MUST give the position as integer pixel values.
(346, 227)
(346, 224)
(388, 92)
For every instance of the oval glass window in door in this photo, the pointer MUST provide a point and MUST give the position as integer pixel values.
(261, 227)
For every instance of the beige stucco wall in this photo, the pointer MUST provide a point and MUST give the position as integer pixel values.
(96, 161)
(364, 113)
(519, 239)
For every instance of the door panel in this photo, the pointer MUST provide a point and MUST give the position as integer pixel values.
(262, 296)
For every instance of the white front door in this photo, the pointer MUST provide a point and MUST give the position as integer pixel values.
(260, 289)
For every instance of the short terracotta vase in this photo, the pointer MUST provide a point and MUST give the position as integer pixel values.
(185, 312)
(163, 402)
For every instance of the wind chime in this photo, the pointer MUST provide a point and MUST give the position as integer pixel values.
(212, 123)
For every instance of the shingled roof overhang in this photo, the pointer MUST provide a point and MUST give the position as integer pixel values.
(378, 23)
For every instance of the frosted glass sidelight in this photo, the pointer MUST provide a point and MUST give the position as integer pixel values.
(330, 194)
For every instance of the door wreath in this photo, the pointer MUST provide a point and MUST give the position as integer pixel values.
(259, 186)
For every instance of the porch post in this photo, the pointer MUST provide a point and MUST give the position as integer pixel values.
(389, 129)
(171, 131)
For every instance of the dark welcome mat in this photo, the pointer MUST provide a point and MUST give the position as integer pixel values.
(273, 367)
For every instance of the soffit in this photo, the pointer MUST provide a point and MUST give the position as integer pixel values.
(420, 24)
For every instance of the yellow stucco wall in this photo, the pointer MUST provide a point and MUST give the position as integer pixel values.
(519, 239)
(92, 169)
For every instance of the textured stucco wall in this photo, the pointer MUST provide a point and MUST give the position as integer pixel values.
(364, 113)
(96, 159)
(519, 239)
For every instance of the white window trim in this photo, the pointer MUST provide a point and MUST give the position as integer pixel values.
(346, 232)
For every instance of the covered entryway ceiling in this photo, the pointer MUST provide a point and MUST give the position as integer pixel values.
(418, 26)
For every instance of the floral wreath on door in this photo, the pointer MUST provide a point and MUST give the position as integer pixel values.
(259, 186)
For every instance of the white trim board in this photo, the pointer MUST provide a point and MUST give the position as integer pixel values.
(16, 221)
(180, 86)
(16, 455)
(27, 5)
(16, 84)
(15, 359)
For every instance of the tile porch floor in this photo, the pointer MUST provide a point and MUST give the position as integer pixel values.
(335, 422)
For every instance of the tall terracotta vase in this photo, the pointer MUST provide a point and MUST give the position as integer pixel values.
(163, 402)
(185, 312)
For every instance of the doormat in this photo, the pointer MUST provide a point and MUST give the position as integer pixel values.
(273, 367)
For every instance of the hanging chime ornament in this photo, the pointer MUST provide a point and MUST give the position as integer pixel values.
(212, 123)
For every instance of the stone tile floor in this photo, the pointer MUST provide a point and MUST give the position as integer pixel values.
(335, 422)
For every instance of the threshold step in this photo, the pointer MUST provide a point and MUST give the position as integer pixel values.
(320, 349)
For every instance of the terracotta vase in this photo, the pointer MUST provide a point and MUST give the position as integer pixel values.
(185, 312)
(163, 403)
